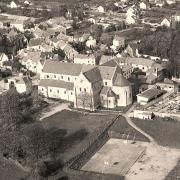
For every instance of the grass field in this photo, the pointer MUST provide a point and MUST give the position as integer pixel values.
(73, 127)
(9, 171)
(115, 157)
(166, 133)
(121, 129)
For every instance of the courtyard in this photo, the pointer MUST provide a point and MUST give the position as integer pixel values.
(115, 157)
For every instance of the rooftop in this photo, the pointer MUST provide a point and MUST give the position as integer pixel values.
(55, 83)
(151, 93)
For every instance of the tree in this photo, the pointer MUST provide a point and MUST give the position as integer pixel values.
(10, 131)
(96, 31)
(85, 101)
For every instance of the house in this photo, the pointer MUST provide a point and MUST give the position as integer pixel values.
(140, 63)
(171, 2)
(105, 58)
(132, 50)
(32, 61)
(8, 65)
(35, 43)
(160, 3)
(3, 58)
(146, 115)
(86, 59)
(148, 95)
(13, 5)
(83, 85)
(22, 83)
(91, 43)
(168, 85)
(166, 22)
(132, 15)
(144, 5)
(118, 42)
(101, 9)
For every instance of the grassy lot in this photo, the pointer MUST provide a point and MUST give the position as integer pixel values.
(121, 128)
(166, 133)
(70, 128)
(74, 121)
(9, 171)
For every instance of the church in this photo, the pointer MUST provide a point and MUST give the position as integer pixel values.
(87, 86)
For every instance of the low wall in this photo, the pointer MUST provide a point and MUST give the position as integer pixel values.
(159, 114)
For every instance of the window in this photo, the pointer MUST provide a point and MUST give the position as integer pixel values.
(68, 78)
(71, 93)
(105, 83)
(64, 92)
(42, 89)
(61, 77)
(79, 89)
(47, 76)
(109, 101)
(50, 90)
(54, 76)
(84, 89)
(57, 91)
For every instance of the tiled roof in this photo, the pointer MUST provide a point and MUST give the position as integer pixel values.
(106, 72)
(151, 93)
(93, 75)
(36, 42)
(121, 81)
(57, 67)
(56, 83)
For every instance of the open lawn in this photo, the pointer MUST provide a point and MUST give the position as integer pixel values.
(121, 129)
(9, 171)
(74, 121)
(166, 133)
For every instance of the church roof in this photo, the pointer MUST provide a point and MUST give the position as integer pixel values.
(121, 81)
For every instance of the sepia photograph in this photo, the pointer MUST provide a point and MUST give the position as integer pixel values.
(89, 89)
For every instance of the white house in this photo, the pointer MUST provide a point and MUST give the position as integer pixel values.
(166, 22)
(143, 5)
(3, 58)
(118, 42)
(13, 5)
(149, 95)
(85, 59)
(32, 61)
(170, 2)
(91, 43)
(132, 15)
(101, 9)
(21, 83)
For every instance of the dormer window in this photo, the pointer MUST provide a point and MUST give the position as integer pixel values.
(105, 83)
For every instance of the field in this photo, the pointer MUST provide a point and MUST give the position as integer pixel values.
(71, 128)
(166, 133)
(73, 121)
(110, 158)
(9, 171)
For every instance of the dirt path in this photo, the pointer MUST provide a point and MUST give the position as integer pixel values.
(132, 124)
(55, 110)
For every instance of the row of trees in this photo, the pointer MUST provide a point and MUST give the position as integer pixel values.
(30, 144)
(164, 43)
